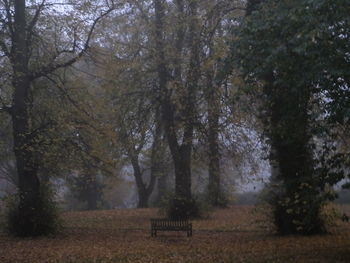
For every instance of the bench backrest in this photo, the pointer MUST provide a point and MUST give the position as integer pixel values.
(169, 223)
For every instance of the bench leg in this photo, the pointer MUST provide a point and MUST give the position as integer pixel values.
(189, 233)
(153, 232)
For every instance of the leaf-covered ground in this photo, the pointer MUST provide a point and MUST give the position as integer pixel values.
(229, 235)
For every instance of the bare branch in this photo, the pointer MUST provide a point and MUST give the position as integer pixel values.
(144, 15)
(5, 49)
(70, 99)
(34, 21)
(6, 26)
(4, 107)
(54, 66)
(9, 16)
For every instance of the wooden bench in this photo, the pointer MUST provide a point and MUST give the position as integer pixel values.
(170, 225)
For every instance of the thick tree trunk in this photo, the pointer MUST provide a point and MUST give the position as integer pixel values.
(252, 5)
(295, 195)
(157, 159)
(94, 191)
(213, 144)
(182, 163)
(162, 188)
(143, 199)
(28, 181)
(215, 77)
(181, 153)
(92, 199)
(292, 156)
(184, 154)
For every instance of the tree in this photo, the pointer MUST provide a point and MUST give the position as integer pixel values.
(132, 131)
(20, 42)
(178, 83)
(216, 35)
(185, 105)
(128, 92)
(193, 68)
(284, 51)
(86, 187)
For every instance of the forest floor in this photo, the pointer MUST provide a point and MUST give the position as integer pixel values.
(236, 234)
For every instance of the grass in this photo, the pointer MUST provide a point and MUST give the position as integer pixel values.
(229, 235)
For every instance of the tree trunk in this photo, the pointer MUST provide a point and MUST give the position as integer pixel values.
(294, 193)
(213, 143)
(143, 199)
(94, 191)
(181, 153)
(182, 163)
(182, 157)
(293, 160)
(216, 74)
(142, 190)
(28, 181)
(92, 199)
(157, 158)
(162, 187)
(252, 5)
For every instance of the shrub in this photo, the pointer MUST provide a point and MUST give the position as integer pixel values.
(176, 208)
(44, 220)
(298, 211)
(223, 200)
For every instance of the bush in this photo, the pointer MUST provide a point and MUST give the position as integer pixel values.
(177, 208)
(43, 220)
(298, 211)
(223, 200)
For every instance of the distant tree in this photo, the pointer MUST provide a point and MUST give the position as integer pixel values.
(216, 25)
(128, 86)
(132, 130)
(178, 109)
(87, 187)
(187, 59)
